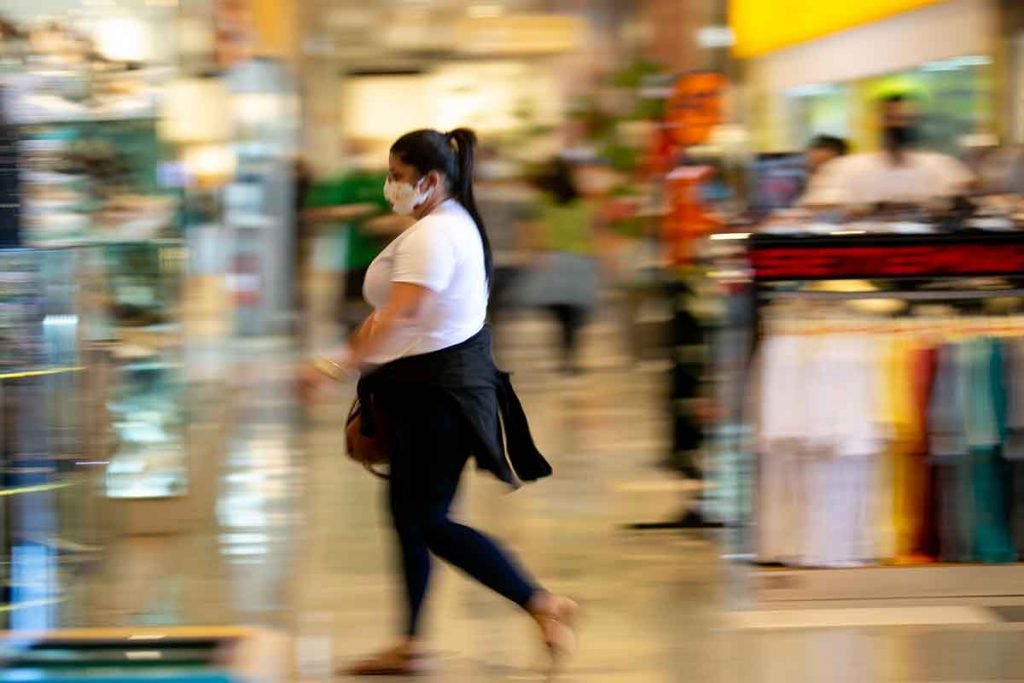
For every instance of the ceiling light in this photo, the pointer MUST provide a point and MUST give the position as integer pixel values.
(485, 10)
(715, 36)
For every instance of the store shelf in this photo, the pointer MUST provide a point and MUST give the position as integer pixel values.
(912, 582)
(149, 117)
(114, 241)
(149, 366)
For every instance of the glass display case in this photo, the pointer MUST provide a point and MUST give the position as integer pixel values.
(146, 402)
(91, 342)
(90, 160)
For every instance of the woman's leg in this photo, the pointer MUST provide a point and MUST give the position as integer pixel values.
(480, 557)
(425, 478)
(417, 486)
(413, 555)
(429, 445)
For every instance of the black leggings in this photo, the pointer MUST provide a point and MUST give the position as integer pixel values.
(430, 442)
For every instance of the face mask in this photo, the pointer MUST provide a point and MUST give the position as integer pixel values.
(900, 137)
(404, 197)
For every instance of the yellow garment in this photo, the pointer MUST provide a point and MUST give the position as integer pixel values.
(902, 485)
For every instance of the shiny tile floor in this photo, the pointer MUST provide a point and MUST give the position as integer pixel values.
(281, 531)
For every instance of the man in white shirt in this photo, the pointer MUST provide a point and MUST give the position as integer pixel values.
(898, 174)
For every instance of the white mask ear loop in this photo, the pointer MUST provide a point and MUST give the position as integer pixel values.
(425, 195)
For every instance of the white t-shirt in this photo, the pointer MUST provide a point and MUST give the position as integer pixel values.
(443, 253)
(872, 178)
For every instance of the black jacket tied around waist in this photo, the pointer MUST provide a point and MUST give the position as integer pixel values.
(485, 397)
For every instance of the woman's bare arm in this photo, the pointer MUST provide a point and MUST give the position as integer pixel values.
(403, 307)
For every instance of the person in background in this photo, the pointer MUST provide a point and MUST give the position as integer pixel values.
(347, 206)
(823, 149)
(899, 173)
(565, 279)
(427, 369)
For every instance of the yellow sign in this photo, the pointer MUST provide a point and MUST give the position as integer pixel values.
(762, 26)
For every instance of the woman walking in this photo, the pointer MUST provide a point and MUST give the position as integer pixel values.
(428, 373)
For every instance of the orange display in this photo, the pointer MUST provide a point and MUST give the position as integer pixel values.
(696, 106)
(687, 219)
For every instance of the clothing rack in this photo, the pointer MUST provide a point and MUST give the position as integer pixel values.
(931, 268)
(923, 267)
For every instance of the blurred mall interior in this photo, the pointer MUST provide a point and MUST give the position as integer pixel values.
(690, 203)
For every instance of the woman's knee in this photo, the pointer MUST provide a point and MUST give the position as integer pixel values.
(439, 533)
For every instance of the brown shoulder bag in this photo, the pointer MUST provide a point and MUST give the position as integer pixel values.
(369, 451)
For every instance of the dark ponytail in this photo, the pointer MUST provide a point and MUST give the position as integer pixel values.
(450, 154)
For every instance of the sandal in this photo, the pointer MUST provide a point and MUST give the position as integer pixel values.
(395, 662)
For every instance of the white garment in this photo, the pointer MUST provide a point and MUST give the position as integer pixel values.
(872, 178)
(818, 438)
(783, 426)
(442, 252)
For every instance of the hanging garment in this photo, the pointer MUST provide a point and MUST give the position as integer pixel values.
(840, 457)
(1013, 447)
(926, 544)
(901, 470)
(819, 441)
(986, 421)
(1013, 382)
(781, 424)
(1015, 494)
(946, 422)
(949, 454)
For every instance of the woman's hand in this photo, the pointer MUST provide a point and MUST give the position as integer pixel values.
(310, 382)
(313, 376)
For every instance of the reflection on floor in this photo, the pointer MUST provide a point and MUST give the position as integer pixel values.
(293, 537)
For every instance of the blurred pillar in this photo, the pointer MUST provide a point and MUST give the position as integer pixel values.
(322, 134)
(672, 27)
(1011, 70)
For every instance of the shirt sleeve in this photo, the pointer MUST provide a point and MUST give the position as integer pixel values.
(956, 177)
(426, 258)
(828, 187)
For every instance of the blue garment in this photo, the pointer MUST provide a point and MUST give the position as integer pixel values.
(986, 427)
